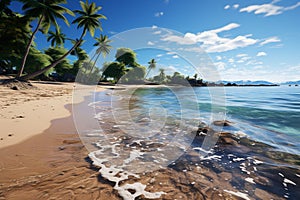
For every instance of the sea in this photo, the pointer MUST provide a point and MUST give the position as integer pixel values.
(145, 129)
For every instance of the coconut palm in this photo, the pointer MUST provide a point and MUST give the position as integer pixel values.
(103, 48)
(152, 65)
(89, 20)
(46, 11)
(57, 38)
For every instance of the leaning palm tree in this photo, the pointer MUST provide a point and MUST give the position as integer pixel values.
(46, 11)
(103, 48)
(57, 38)
(152, 65)
(89, 20)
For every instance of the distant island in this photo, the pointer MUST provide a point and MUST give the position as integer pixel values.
(240, 83)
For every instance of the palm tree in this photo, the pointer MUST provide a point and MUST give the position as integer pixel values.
(196, 76)
(57, 38)
(162, 74)
(78, 51)
(46, 11)
(152, 65)
(103, 48)
(89, 20)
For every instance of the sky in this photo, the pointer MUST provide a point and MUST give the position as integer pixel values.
(245, 40)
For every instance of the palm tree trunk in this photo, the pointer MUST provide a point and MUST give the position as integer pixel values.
(147, 73)
(92, 57)
(89, 78)
(28, 48)
(95, 63)
(41, 71)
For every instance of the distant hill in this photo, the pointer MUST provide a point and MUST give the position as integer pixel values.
(291, 83)
(247, 82)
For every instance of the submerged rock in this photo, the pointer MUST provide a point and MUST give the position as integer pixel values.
(227, 138)
(222, 123)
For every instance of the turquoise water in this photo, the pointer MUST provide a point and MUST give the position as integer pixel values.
(144, 129)
(266, 114)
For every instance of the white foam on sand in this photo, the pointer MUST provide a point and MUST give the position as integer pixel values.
(250, 180)
(116, 174)
(238, 159)
(257, 162)
(239, 194)
(213, 157)
(285, 180)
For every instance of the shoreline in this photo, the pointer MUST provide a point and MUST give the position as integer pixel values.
(52, 163)
(55, 165)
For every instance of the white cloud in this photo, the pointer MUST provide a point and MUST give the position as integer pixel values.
(211, 41)
(154, 27)
(157, 32)
(268, 9)
(231, 44)
(218, 57)
(226, 28)
(231, 60)
(171, 69)
(180, 40)
(227, 7)
(259, 54)
(254, 62)
(270, 40)
(159, 55)
(175, 56)
(150, 43)
(171, 53)
(262, 72)
(241, 55)
(220, 65)
(236, 6)
(159, 14)
(244, 58)
(258, 67)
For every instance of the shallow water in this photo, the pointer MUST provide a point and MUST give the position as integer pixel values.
(148, 129)
(268, 114)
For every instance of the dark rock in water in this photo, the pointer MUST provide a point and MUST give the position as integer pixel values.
(227, 138)
(15, 87)
(225, 134)
(262, 180)
(205, 130)
(222, 123)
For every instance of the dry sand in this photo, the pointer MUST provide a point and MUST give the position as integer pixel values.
(25, 113)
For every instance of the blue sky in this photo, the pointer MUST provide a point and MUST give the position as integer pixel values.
(249, 40)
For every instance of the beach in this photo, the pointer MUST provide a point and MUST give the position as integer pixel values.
(42, 157)
(41, 154)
